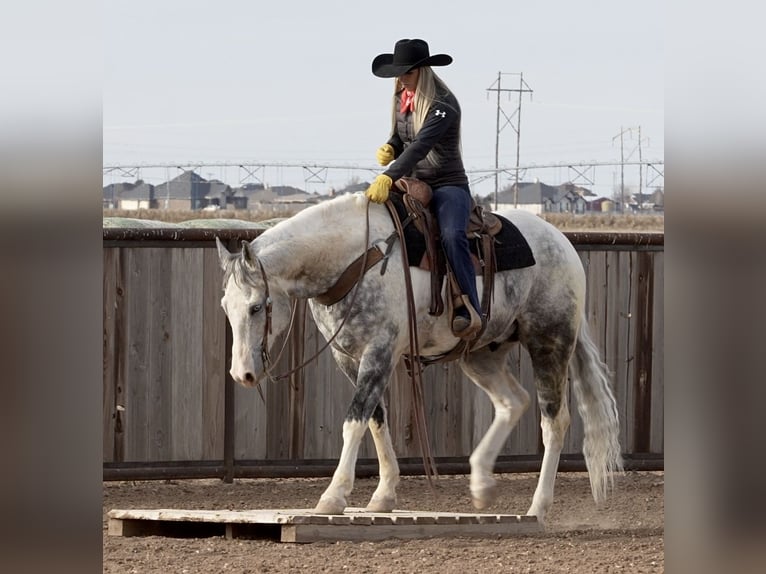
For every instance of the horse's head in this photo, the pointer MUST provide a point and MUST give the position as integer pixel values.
(257, 309)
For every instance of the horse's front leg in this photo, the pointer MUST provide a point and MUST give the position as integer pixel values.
(375, 369)
(384, 497)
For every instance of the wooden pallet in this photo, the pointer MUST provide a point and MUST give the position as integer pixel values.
(304, 525)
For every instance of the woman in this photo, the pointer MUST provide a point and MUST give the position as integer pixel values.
(425, 142)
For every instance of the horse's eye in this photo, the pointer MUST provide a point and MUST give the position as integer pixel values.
(254, 309)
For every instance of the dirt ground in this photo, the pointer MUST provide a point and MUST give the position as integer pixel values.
(624, 535)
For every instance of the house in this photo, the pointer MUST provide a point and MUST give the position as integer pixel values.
(601, 205)
(352, 187)
(138, 195)
(290, 194)
(640, 202)
(256, 195)
(218, 196)
(186, 191)
(126, 195)
(537, 197)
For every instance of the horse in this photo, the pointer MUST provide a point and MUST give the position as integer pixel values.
(540, 307)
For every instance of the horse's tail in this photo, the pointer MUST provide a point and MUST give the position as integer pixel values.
(598, 410)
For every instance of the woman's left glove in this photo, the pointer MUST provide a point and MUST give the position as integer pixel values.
(378, 190)
(385, 154)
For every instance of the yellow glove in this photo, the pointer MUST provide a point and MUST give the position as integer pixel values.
(385, 154)
(378, 190)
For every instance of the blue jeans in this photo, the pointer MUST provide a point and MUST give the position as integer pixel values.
(452, 206)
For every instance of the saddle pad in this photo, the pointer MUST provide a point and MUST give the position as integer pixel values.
(511, 248)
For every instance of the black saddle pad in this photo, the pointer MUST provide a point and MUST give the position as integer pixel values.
(511, 248)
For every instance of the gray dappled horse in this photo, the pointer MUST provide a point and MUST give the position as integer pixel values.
(542, 307)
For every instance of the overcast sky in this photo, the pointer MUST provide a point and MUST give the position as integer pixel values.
(290, 81)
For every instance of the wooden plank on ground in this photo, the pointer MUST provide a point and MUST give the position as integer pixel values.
(303, 525)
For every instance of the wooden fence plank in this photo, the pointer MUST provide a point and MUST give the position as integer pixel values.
(642, 381)
(278, 408)
(186, 337)
(147, 415)
(250, 420)
(524, 437)
(213, 359)
(158, 320)
(110, 421)
(617, 332)
(657, 431)
(137, 356)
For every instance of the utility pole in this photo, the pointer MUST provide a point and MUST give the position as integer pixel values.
(523, 88)
(640, 170)
(623, 159)
(640, 175)
(622, 165)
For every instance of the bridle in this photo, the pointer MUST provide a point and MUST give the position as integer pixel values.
(265, 358)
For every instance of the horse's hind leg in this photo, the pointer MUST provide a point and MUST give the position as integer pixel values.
(550, 353)
(489, 370)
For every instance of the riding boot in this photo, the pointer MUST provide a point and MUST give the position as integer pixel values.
(466, 321)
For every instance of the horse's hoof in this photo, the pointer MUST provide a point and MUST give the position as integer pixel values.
(484, 498)
(381, 505)
(330, 506)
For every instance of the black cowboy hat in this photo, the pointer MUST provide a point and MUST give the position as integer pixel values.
(408, 55)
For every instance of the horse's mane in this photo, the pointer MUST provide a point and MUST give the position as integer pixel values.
(238, 268)
(319, 217)
(299, 232)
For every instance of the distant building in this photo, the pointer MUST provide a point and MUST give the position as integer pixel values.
(186, 191)
(218, 196)
(537, 197)
(642, 202)
(138, 195)
(251, 196)
(601, 205)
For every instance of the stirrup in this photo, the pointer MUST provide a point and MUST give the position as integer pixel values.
(473, 327)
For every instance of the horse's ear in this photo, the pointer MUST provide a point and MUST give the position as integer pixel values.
(223, 254)
(247, 253)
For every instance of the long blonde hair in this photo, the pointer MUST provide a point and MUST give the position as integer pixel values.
(429, 84)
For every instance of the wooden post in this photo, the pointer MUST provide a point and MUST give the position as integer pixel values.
(642, 380)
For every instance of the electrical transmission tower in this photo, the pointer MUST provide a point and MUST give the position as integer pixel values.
(623, 159)
(497, 87)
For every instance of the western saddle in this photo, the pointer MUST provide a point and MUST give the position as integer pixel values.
(482, 227)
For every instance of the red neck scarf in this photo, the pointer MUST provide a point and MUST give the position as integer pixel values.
(407, 102)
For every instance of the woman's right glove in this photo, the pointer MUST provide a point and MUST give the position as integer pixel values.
(385, 154)
(378, 190)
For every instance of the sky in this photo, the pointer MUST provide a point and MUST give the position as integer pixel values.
(289, 82)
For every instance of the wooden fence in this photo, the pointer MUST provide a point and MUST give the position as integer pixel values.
(171, 409)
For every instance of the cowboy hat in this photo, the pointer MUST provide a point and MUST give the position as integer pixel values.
(408, 55)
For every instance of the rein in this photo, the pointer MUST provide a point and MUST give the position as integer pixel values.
(414, 365)
(265, 356)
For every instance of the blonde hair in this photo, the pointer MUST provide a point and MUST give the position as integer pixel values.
(429, 85)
